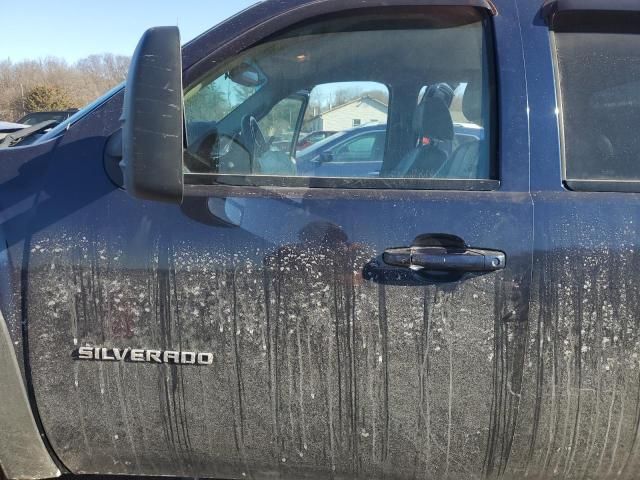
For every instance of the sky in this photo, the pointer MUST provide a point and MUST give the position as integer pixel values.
(73, 29)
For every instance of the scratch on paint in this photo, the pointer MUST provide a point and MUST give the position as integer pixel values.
(606, 435)
(449, 340)
(617, 441)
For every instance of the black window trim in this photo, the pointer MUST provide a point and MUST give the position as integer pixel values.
(590, 15)
(213, 180)
(611, 186)
(551, 7)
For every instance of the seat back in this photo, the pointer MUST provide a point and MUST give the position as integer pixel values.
(434, 134)
(467, 161)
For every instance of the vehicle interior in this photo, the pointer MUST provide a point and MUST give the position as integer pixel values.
(420, 135)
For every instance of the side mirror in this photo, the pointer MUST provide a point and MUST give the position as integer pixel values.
(152, 137)
(326, 157)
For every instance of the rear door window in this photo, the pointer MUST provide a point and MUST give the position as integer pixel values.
(598, 76)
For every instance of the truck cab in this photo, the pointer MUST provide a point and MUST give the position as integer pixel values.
(452, 293)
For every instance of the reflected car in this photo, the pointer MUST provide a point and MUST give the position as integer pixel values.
(10, 127)
(357, 152)
(313, 137)
(59, 116)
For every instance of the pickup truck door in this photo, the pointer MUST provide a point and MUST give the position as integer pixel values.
(329, 357)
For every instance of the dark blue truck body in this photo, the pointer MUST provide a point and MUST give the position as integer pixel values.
(326, 362)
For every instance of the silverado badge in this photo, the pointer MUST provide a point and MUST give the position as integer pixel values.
(142, 355)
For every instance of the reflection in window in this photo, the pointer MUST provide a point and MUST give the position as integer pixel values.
(210, 101)
(304, 105)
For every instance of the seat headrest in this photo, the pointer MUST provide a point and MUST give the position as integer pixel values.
(436, 119)
(472, 102)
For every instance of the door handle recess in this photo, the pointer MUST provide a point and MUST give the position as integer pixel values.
(445, 259)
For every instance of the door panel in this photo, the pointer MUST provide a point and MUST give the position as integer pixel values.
(316, 371)
(582, 372)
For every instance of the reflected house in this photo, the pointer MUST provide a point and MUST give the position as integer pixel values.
(360, 111)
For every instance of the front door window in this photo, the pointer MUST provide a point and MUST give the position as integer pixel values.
(242, 116)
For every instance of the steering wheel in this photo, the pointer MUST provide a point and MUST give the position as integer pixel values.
(252, 137)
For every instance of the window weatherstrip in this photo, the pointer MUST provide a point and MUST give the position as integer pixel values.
(260, 181)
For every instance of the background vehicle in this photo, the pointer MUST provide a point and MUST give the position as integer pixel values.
(9, 127)
(469, 312)
(357, 152)
(312, 138)
(34, 118)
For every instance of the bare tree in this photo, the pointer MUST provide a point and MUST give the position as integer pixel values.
(80, 82)
(44, 97)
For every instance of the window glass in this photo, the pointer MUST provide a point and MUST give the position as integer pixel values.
(362, 145)
(345, 154)
(340, 106)
(213, 99)
(243, 118)
(599, 86)
(279, 124)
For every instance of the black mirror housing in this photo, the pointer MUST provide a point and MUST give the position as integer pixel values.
(152, 136)
(326, 156)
